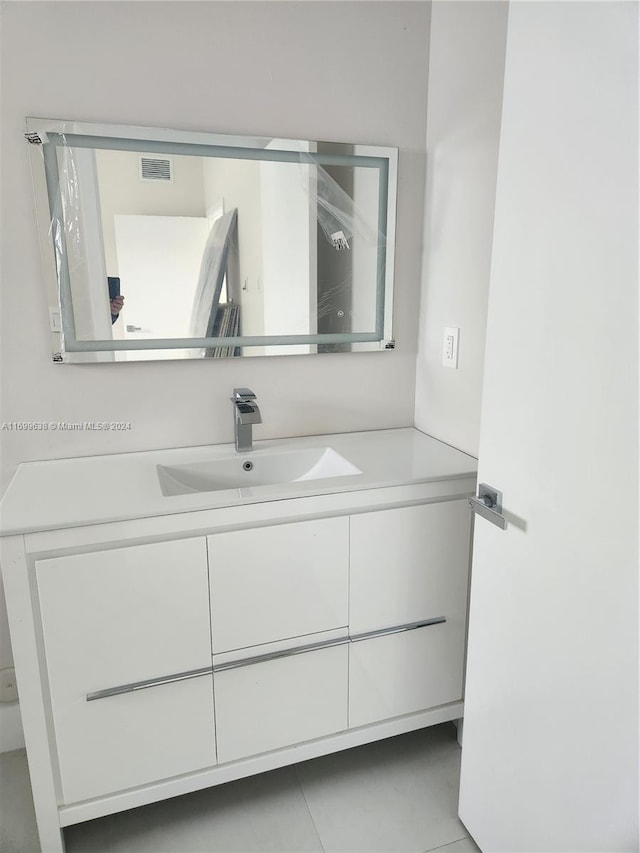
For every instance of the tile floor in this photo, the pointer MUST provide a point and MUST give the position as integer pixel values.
(394, 796)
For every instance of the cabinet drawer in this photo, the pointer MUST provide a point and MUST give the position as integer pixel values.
(404, 673)
(409, 564)
(135, 738)
(272, 583)
(277, 703)
(113, 619)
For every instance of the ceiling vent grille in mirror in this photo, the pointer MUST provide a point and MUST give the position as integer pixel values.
(155, 169)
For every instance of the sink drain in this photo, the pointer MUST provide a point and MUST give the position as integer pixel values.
(247, 466)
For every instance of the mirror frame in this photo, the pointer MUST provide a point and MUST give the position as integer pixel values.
(47, 135)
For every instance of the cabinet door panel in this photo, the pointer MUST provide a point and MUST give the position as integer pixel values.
(272, 583)
(135, 738)
(409, 564)
(406, 672)
(281, 702)
(118, 617)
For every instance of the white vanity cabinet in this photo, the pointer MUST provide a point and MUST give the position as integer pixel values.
(128, 661)
(193, 640)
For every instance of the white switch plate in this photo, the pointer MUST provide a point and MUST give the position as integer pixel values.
(450, 347)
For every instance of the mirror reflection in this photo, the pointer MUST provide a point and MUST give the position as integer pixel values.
(184, 250)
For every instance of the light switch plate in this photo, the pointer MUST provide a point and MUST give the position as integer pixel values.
(450, 347)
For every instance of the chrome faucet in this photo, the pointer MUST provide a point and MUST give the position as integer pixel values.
(246, 413)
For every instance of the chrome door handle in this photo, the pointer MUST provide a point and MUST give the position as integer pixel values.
(488, 504)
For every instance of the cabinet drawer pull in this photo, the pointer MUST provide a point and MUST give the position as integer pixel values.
(397, 629)
(285, 653)
(222, 667)
(152, 682)
(325, 644)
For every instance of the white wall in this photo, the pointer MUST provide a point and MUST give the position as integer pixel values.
(348, 71)
(466, 69)
(95, 61)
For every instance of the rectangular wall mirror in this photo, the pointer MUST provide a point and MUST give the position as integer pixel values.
(164, 244)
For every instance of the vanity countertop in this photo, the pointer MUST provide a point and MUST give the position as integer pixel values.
(64, 493)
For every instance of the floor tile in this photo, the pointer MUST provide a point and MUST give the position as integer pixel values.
(255, 815)
(18, 833)
(466, 845)
(399, 795)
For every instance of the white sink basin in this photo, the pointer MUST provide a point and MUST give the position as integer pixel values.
(254, 469)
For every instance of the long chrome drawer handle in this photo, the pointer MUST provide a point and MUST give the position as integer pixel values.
(152, 682)
(285, 653)
(222, 667)
(397, 629)
(325, 644)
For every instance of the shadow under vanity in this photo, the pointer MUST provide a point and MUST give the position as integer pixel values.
(166, 642)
